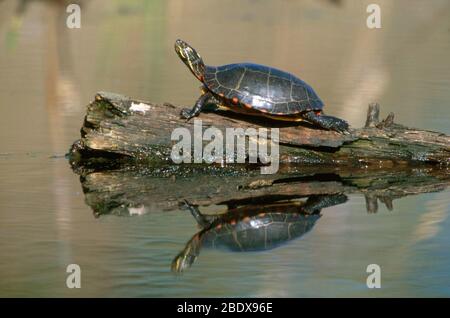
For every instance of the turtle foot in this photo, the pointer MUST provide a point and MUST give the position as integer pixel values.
(328, 122)
(338, 125)
(184, 205)
(186, 114)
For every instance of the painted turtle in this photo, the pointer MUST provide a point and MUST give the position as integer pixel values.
(257, 90)
(253, 227)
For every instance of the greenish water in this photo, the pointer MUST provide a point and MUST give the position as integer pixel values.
(48, 73)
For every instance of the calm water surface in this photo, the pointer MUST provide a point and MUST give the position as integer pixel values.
(48, 74)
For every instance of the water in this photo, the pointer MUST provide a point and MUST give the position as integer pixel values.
(49, 72)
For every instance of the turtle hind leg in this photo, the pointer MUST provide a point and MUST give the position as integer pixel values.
(198, 107)
(316, 203)
(327, 122)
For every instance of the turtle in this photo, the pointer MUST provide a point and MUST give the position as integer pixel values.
(256, 90)
(253, 227)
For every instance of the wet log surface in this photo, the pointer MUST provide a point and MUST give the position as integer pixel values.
(123, 158)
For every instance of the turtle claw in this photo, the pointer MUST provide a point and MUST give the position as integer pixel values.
(186, 114)
(344, 131)
(340, 126)
(184, 205)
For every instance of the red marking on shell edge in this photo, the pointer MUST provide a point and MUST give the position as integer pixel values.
(235, 100)
(219, 226)
(233, 222)
(221, 95)
(248, 105)
(318, 112)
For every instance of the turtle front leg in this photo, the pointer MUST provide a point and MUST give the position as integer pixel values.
(327, 122)
(188, 255)
(198, 107)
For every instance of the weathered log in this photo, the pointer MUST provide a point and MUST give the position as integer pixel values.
(119, 131)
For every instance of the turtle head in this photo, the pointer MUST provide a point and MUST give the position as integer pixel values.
(191, 58)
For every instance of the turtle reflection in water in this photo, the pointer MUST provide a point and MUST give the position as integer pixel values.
(253, 227)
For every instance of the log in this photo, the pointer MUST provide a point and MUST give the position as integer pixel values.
(122, 132)
(123, 158)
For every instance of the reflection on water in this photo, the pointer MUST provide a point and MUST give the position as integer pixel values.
(48, 73)
(253, 227)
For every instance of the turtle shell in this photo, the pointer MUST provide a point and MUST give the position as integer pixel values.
(260, 232)
(262, 88)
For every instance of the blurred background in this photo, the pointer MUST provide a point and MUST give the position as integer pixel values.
(49, 73)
